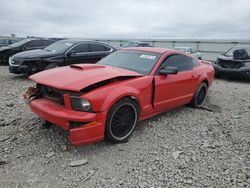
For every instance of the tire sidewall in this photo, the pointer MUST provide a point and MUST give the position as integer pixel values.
(196, 105)
(108, 133)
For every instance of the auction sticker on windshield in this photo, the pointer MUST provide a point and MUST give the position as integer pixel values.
(152, 57)
(68, 44)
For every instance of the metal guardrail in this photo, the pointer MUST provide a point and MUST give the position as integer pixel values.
(211, 49)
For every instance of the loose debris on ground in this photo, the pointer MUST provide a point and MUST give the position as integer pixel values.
(185, 147)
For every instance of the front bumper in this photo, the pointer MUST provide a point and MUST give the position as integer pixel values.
(243, 72)
(91, 130)
(19, 69)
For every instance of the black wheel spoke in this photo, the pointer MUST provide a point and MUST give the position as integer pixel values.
(201, 95)
(123, 121)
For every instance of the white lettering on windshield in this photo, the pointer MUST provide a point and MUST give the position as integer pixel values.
(148, 56)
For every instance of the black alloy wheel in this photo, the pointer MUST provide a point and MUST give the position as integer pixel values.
(121, 120)
(200, 96)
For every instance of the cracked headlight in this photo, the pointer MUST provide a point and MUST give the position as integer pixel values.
(80, 104)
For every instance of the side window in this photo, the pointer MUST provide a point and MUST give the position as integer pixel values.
(34, 43)
(106, 48)
(195, 62)
(46, 42)
(181, 62)
(189, 50)
(97, 48)
(81, 48)
(145, 44)
(194, 51)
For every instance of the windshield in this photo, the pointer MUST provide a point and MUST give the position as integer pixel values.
(230, 52)
(138, 61)
(60, 46)
(181, 49)
(17, 44)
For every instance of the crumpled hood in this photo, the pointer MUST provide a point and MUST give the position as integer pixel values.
(79, 76)
(226, 57)
(33, 54)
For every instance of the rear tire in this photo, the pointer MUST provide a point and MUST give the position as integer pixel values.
(121, 120)
(199, 96)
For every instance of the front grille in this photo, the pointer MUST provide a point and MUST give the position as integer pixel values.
(230, 64)
(50, 94)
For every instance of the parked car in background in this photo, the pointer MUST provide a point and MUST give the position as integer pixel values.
(234, 63)
(191, 51)
(8, 41)
(61, 53)
(23, 45)
(127, 44)
(107, 99)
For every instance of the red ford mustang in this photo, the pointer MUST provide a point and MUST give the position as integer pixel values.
(107, 99)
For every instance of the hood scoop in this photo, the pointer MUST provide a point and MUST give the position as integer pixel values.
(86, 67)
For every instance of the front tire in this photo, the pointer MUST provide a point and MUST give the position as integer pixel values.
(121, 120)
(200, 96)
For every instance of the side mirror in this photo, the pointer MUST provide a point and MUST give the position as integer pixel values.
(71, 53)
(168, 70)
(24, 48)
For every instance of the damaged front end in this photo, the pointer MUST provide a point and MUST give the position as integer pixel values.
(60, 97)
(235, 64)
(41, 91)
(232, 68)
(62, 109)
(26, 67)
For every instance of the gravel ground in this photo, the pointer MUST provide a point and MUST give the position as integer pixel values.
(185, 147)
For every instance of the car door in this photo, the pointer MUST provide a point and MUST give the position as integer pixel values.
(78, 54)
(98, 51)
(174, 89)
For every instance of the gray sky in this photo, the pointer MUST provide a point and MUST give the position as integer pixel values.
(222, 19)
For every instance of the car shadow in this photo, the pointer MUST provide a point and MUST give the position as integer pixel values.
(148, 124)
(21, 77)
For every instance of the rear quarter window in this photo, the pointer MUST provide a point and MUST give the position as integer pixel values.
(97, 48)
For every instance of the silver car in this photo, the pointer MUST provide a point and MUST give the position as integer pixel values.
(191, 51)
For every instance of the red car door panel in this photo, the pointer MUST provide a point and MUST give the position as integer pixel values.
(174, 90)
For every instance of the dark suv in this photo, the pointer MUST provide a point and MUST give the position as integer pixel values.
(234, 63)
(23, 45)
(61, 53)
